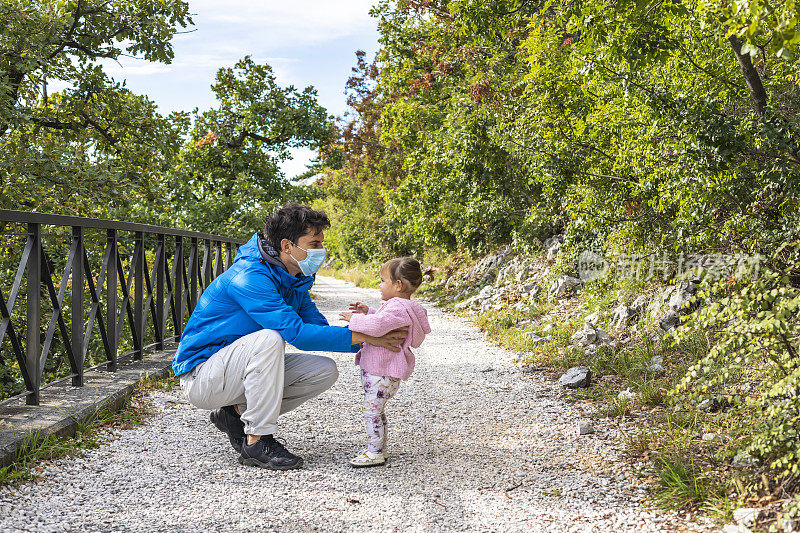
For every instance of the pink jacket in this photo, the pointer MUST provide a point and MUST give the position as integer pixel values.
(394, 313)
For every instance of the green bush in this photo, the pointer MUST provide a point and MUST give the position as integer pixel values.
(754, 321)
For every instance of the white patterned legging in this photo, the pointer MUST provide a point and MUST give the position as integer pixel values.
(377, 390)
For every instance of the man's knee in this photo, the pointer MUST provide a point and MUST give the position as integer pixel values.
(266, 340)
(327, 373)
(265, 350)
(315, 372)
(268, 337)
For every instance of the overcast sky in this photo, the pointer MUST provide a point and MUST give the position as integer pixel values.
(307, 42)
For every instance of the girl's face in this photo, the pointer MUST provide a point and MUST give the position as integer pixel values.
(389, 289)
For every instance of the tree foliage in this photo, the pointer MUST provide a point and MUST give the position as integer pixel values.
(91, 146)
(228, 173)
(658, 124)
(639, 126)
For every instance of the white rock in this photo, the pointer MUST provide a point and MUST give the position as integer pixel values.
(589, 335)
(744, 460)
(627, 395)
(656, 364)
(747, 516)
(585, 427)
(529, 286)
(709, 405)
(621, 317)
(553, 250)
(735, 528)
(591, 320)
(550, 241)
(790, 526)
(534, 338)
(465, 304)
(576, 377)
(564, 285)
(639, 305)
(534, 292)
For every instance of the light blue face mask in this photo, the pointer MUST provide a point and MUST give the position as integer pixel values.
(314, 259)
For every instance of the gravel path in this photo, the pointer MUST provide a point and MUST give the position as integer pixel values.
(475, 445)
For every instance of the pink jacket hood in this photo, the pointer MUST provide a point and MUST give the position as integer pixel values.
(419, 319)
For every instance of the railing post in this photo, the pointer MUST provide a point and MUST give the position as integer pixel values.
(194, 259)
(219, 266)
(111, 299)
(138, 289)
(77, 305)
(177, 286)
(34, 316)
(160, 268)
(228, 256)
(208, 272)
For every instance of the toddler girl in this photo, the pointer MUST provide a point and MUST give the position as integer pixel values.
(381, 369)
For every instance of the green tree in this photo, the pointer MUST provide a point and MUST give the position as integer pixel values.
(646, 125)
(91, 147)
(229, 172)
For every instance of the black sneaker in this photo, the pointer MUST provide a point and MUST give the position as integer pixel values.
(228, 421)
(269, 453)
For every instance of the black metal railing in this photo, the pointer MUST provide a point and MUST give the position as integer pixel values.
(149, 277)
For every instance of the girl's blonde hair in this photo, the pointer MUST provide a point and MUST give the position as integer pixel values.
(407, 271)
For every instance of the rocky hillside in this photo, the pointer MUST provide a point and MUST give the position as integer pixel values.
(627, 348)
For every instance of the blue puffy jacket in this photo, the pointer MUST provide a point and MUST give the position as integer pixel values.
(256, 294)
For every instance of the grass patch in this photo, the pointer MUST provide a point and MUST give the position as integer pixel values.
(682, 484)
(614, 408)
(40, 448)
(628, 364)
(366, 276)
(651, 392)
(502, 326)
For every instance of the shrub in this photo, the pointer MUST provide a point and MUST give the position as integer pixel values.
(754, 320)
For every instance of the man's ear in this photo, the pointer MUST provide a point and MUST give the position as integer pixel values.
(285, 245)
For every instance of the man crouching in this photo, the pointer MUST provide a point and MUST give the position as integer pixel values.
(232, 355)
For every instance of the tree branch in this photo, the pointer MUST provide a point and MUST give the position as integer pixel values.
(521, 6)
(57, 124)
(617, 178)
(380, 146)
(237, 141)
(110, 54)
(103, 131)
(701, 69)
(75, 18)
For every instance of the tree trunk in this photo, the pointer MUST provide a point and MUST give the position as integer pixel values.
(751, 76)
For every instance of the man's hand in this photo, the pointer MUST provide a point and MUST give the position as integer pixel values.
(358, 307)
(346, 315)
(392, 341)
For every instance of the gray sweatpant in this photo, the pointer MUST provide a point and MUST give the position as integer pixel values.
(255, 373)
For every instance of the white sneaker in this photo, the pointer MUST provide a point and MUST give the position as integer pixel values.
(368, 458)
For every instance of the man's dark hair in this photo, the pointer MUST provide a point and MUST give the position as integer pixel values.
(291, 222)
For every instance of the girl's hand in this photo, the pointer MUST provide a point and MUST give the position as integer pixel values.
(346, 315)
(359, 307)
